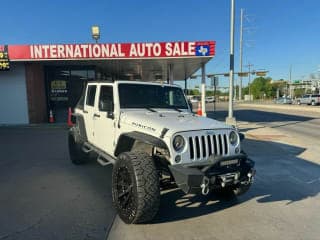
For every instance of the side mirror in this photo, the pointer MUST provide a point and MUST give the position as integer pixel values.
(110, 115)
(107, 106)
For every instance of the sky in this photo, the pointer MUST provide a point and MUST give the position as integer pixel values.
(277, 33)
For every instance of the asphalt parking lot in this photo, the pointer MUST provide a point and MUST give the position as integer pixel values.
(44, 196)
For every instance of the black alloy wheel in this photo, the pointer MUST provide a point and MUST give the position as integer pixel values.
(125, 197)
(135, 187)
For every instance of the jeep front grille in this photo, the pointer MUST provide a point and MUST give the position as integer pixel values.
(201, 147)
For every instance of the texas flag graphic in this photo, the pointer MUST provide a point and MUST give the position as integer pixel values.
(202, 50)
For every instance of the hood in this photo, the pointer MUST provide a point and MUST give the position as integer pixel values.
(154, 122)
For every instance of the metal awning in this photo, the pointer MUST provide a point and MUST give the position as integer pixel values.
(149, 69)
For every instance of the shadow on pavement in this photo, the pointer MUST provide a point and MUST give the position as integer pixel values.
(43, 195)
(281, 176)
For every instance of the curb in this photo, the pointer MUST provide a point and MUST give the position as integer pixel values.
(283, 107)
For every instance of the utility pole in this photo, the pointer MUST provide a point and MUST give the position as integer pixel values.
(290, 72)
(215, 83)
(249, 83)
(241, 42)
(203, 90)
(290, 82)
(230, 120)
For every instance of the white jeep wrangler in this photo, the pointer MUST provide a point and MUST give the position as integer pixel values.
(150, 135)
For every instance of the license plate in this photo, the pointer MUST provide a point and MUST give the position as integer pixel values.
(229, 162)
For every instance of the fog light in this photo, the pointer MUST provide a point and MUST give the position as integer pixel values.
(177, 159)
(237, 150)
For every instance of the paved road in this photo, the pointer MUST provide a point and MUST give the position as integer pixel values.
(296, 123)
(300, 124)
(44, 196)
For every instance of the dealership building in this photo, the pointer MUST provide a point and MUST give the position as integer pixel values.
(39, 78)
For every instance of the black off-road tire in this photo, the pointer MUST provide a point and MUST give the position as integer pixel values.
(77, 155)
(135, 187)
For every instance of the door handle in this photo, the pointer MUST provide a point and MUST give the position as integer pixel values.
(96, 115)
(85, 111)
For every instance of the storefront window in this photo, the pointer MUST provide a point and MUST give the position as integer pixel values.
(64, 88)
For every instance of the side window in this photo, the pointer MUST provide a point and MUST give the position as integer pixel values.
(91, 93)
(106, 99)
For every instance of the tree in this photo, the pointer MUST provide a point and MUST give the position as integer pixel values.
(299, 92)
(193, 92)
(245, 91)
(281, 85)
(260, 86)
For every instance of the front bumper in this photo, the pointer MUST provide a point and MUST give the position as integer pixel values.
(213, 173)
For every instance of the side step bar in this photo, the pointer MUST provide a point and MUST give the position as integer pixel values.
(103, 158)
(103, 162)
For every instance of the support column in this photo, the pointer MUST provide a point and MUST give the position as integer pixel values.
(36, 93)
(203, 90)
(241, 42)
(170, 74)
(185, 85)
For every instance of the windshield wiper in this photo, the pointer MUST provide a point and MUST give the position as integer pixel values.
(150, 109)
(177, 109)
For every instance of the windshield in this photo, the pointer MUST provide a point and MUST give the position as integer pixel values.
(151, 96)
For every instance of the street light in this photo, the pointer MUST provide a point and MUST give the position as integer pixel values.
(230, 120)
(95, 33)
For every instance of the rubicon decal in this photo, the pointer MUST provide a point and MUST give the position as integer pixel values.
(112, 50)
(143, 126)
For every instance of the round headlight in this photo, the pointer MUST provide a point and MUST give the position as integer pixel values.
(178, 143)
(233, 138)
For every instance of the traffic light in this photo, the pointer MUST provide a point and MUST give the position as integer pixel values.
(261, 73)
(243, 74)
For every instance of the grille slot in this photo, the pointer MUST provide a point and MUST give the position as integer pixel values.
(225, 144)
(203, 146)
(197, 147)
(191, 148)
(220, 145)
(209, 145)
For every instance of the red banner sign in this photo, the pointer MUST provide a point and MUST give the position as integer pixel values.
(111, 51)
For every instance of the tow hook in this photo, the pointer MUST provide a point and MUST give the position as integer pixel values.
(250, 176)
(205, 186)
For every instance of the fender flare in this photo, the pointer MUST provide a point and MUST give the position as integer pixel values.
(79, 129)
(126, 141)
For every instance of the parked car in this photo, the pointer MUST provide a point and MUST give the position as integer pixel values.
(310, 99)
(283, 100)
(210, 99)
